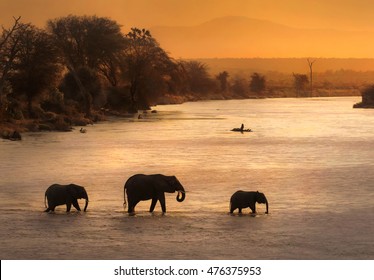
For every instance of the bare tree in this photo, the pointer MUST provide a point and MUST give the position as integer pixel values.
(37, 66)
(310, 63)
(7, 33)
(9, 48)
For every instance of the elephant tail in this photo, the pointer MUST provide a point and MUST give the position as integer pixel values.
(45, 201)
(124, 197)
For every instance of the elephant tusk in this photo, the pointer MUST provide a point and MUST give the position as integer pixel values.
(181, 196)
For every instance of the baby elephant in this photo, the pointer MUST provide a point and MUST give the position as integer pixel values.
(243, 199)
(65, 194)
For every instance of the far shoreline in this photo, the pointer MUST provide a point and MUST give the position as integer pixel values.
(36, 125)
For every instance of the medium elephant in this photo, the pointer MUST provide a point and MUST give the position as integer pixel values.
(244, 199)
(65, 194)
(143, 187)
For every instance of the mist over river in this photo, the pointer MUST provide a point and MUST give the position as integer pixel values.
(313, 158)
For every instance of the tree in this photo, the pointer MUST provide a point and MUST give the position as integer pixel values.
(146, 67)
(178, 83)
(9, 48)
(89, 80)
(368, 97)
(89, 42)
(222, 78)
(310, 63)
(37, 65)
(240, 87)
(300, 83)
(198, 79)
(105, 44)
(257, 83)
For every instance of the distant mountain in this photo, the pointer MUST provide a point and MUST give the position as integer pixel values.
(247, 37)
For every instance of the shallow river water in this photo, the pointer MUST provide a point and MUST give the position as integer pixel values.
(313, 158)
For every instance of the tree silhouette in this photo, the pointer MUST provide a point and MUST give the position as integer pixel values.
(240, 87)
(300, 83)
(145, 66)
(37, 66)
(310, 63)
(9, 48)
(88, 42)
(368, 96)
(198, 79)
(222, 78)
(257, 83)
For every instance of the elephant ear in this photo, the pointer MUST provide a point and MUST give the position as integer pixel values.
(174, 182)
(170, 182)
(169, 179)
(72, 190)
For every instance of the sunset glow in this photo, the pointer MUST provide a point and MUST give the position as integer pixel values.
(238, 28)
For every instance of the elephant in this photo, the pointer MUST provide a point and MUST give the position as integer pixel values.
(65, 194)
(143, 187)
(244, 199)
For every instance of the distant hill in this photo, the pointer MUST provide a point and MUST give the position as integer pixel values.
(246, 37)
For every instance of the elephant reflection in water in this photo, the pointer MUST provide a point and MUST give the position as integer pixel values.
(65, 194)
(244, 199)
(144, 187)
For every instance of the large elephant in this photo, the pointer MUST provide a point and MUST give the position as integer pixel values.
(243, 199)
(65, 194)
(143, 187)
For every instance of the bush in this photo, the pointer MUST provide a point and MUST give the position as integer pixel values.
(368, 95)
(367, 98)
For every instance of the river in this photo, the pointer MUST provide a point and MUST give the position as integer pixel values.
(313, 158)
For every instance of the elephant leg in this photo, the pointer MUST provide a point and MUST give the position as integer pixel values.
(153, 204)
(68, 206)
(240, 210)
(131, 207)
(76, 205)
(253, 208)
(161, 198)
(50, 208)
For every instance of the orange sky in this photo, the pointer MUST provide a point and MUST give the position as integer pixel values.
(352, 15)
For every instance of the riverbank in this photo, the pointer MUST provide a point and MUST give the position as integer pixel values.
(51, 121)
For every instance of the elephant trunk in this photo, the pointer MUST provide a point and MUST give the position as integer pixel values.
(85, 206)
(267, 207)
(181, 196)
